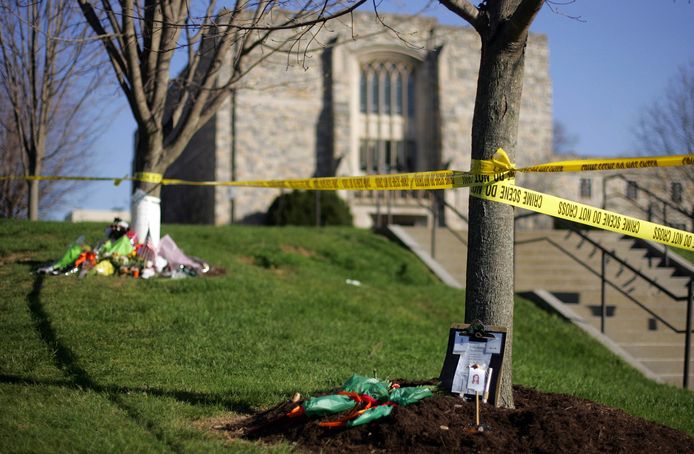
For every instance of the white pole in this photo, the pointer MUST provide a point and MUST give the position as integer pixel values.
(146, 213)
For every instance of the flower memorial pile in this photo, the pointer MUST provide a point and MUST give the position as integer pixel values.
(361, 400)
(121, 254)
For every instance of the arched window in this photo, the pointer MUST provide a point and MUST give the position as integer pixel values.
(387, 104)
(381, 86)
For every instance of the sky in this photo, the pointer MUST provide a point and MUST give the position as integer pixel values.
(605, 66)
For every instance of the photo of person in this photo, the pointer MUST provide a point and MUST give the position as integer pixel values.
(476, 378)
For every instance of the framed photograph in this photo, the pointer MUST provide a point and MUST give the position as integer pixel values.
(473, 361)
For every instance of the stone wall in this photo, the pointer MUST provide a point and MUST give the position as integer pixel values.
(192, 204)
(277, 130)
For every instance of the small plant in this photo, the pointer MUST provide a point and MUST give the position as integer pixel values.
(299, 208)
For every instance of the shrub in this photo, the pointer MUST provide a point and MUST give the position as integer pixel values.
(299, 208)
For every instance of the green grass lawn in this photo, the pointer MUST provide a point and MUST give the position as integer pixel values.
(689, 255)
(114, 364)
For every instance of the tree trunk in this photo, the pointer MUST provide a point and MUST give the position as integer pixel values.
(33, 195)
(35, 169)
(149, 149)
(489, 286)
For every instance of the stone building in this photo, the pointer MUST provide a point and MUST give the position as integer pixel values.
(369, 100)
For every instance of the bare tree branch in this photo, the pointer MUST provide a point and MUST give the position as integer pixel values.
(170, 108)
(667, 125)
(112, 49)
(552, 5)
(466, 10)
(520, 21)
(45, 60)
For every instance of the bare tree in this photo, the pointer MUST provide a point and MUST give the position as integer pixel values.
(219, 47)
(667, 125)
(12, 192)
(48, 76)
(503, 29)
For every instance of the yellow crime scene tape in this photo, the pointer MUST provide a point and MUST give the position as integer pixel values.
(437, 179)
(510, 194)
(491, 179)
(483, 172)
(587, 165)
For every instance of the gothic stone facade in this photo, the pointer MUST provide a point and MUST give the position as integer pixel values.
(367, 101)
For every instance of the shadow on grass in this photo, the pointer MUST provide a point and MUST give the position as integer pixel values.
(79, 378)
(181, 396)
(64, 358)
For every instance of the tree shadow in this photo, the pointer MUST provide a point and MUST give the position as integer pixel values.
(78, 378)
(22, 259)
(187, 397)
(63, 357)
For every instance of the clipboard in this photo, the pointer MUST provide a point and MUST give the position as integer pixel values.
(479, 337)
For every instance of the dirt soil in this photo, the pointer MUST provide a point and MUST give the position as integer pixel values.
(540, 423)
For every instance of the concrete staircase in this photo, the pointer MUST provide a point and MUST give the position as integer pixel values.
(643, 318)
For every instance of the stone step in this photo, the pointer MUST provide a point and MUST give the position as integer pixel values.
(615, 297)
(629, 313)
(540, 257)
(624, 335)
(675, 379)
(639, 329)
(650, 350)
(585, 280)
(617, 310)
(666, 366)
(639, 322)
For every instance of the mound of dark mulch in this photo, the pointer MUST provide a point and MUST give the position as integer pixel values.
(541, 422)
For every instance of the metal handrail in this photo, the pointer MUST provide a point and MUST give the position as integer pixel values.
(608, 281)
(628, 266)
(455, 211)
(649, 210)
(650, 194)
(460, 215)
(646, 210)
(603, 280)
(682, 267)
(622, 262)
(434, 212)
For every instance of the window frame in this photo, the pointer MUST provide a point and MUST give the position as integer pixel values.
(676, 195)
(395, 75)
(388, 142)
(585, 188)
(632, 190)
